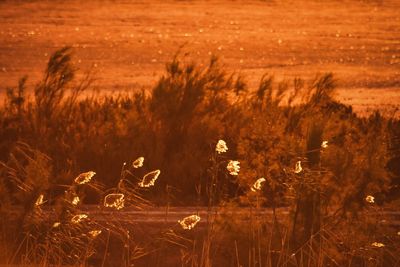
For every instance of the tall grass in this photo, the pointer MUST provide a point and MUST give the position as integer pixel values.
(319, 213)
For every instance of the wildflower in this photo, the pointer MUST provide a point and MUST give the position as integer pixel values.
(56, 224)
(149, 179)
(39, 200)
(94, 233)
(189, 222)
(298, 167)
(221, 147)
(370, 199)
(138, 162)
(257, 185)
(85, 177)
(75, 200)
(233, 167)
(78, 218)
(115, 200)
(324, 144)
(378, 244)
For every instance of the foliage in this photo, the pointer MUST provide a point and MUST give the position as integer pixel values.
(65, 130)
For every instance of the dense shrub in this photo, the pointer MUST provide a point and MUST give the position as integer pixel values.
(63, 129)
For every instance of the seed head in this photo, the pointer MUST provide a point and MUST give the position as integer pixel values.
(370, 199)
(233, 167)
(137, 163)
(39, 200)
(258, 184)
(378, 245)
(78, 218)
(221, 147)
(324, 144)
(94, 233)
(189, 222)
(115, 200)
(85, 177)
(149, 179)
(75, 200)
(298, 168)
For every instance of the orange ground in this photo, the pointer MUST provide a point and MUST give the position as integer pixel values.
(128, 42)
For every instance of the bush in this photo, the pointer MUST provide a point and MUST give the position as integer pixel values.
(63, 130)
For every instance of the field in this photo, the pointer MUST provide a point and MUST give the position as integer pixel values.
(200, 133)
(129, 42)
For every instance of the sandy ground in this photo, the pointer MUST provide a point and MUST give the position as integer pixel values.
(127, 43)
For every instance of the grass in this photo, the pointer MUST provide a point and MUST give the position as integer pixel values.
(160, 149)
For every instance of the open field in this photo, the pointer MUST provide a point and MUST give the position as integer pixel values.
(164, 162)
(129, 42)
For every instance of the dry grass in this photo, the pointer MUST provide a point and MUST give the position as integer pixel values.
(201, 138)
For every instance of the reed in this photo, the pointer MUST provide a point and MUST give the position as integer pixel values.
(201, 138)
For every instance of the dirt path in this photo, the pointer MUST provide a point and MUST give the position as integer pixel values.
(128, 42)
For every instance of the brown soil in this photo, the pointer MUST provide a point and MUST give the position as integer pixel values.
(129, 42)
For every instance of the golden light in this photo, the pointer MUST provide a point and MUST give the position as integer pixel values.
(149, 179)
(378, 245)
(39, 200)
(221, 147)
(258, 184)
(370, 199)
(137, 163)
(85, 177)
(324, 144)
(78, 218)
(94, 233)
(189, 222)
(233, 167)
(75, 201)
(298, 168)
(114, 200)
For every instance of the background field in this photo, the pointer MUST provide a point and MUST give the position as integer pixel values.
(195, 161)
(129, 42)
